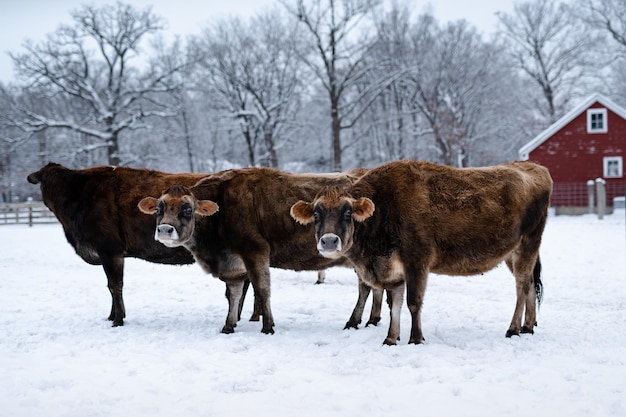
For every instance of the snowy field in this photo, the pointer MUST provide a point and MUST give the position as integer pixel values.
(59, 356)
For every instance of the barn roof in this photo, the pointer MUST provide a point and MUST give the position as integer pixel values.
(525, 150)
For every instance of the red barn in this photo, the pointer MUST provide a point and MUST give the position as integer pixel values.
(587, 143)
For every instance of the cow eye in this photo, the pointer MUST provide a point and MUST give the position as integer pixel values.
(159, 209)
(187, 211)
(347, 214)
(316, 216)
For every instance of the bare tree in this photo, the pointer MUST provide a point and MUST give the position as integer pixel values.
(389, 124)
(606, 15)
(254, 69)
(274, 78)
(456, 83)
(454, 102)
(549, 49)
(608, 19)
(89, 65)
(336, 56)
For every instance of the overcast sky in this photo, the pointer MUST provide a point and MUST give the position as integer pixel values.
(33, 19)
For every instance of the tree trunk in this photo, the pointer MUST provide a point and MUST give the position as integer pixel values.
(250, 145)
(336, 136)
(271, 150)
(113, 150)
(192, 167)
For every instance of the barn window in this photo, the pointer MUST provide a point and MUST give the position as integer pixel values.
(613, 167)
(597, 121)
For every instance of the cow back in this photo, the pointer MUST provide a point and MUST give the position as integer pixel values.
(254, 210)
(468, 213)
(97, 208)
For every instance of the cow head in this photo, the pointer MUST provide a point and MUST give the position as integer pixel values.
(334, 212)
(175, 211)
(52, 179)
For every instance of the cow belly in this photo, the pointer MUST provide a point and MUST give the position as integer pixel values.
(382, 272)
(301, 262)
(467, 265)
(88, 254)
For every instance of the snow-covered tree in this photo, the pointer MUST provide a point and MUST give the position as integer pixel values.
(551, 50)
(252, 67)
(89, 65)
(608, 18)
(338, 46)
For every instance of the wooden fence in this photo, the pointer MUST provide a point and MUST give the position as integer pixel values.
(25, 213)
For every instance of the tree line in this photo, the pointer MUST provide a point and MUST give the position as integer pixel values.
(308, 85)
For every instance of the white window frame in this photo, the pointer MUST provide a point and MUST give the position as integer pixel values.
(613, 161)
(605, 121)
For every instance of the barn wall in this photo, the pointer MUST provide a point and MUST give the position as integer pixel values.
(574, 156)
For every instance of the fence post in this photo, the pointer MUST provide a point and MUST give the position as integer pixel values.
(601, 190)
(30, 216)
(590, 195)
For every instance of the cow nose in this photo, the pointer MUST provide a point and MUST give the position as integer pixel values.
(165, 230)
(329, 242)
(167, 234)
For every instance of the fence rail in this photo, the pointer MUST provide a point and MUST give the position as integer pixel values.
(574, 194)
(25, 213)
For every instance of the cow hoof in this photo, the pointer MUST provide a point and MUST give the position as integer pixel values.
(416, 341)
(266, 331)
(118, 323)
(374, 321)
(526, 329)
(351, 325)
(511, 332)
(228, 329)
(389, 342)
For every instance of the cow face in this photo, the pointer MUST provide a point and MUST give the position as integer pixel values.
(334, 212)
(175, 210)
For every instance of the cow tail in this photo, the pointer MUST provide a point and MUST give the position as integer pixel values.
(537, 282)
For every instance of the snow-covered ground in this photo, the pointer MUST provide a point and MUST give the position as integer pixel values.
(59, 356)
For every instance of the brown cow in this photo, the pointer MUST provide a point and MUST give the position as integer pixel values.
(404, 219)
(98, 210)
(246, 212)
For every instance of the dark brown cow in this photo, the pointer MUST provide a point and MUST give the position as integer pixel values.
(246, 212)
(98, 210)
(404, 219)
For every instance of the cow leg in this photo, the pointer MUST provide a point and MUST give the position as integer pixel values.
(532, 299)
(257, 309)
(114, 270)
(321, 276)
(530, 316)
(522, 264)
(256, 312)
(389, 299)
(415, 287)
(396, 293)
(259, 275)
(377, 305)
(357, 313)
(234, 293)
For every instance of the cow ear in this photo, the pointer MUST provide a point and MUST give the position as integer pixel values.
(148, 205)
(34, 178)
(362, 209)
(302, 212)
(207, 208)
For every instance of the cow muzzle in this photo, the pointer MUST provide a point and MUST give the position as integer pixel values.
(329, 245)
(167, 235)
